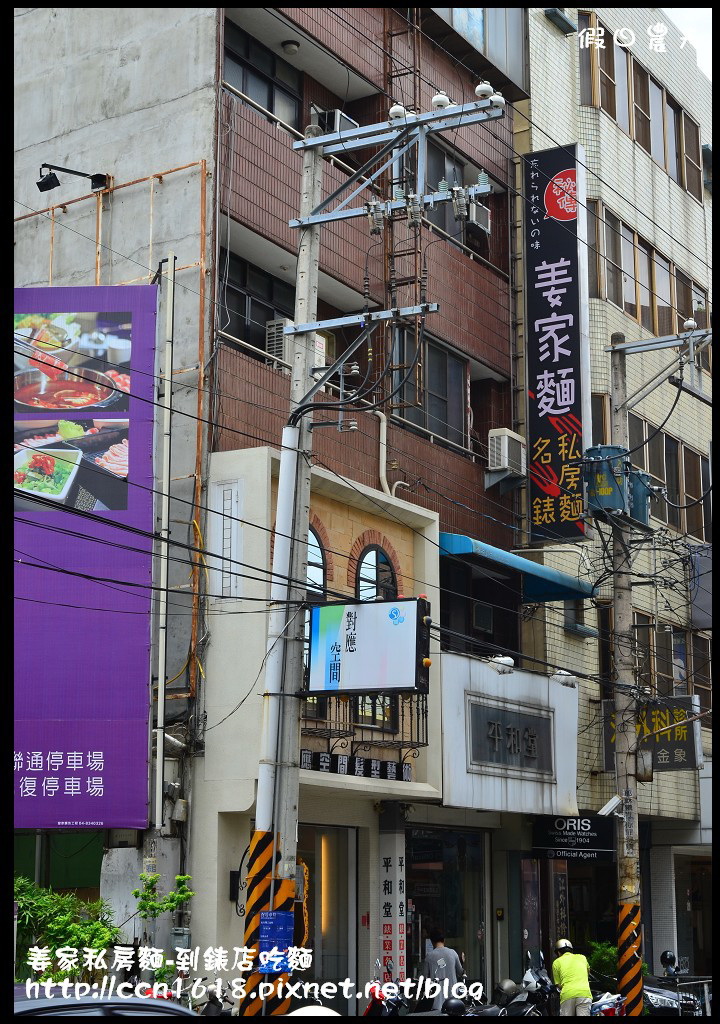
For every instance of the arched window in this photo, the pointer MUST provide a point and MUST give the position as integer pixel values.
(315, 568)
(375, 576)
(376, 579)
(315, 707)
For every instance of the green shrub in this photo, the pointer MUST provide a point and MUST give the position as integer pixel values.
(603, 959)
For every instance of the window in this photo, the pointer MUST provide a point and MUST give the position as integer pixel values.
(441, 166)
(612, 79)
(663, 295)
(376, 579)
(606, 60)
(591, 213)
(225, 539)
(574, 619)
(644, 626)
(598, 409)
(622, 105)
(256, 71)
(613, 266)
(315, 707)
(693, 161)
(672, 661)
(628, 271)
(628, 267)
(434, 396)
(657, 124)
(375, 576)
(701, 648)
(586, 92)
(682, 472)
(249, 297)
(673, 130)
(644, 258)
(445, 166)
(694, 472)
(641, 111)
(671, 669)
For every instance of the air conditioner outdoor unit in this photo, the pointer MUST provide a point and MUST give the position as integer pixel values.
(506, 451)
(479, 217)
(335, 121)
(277, 344)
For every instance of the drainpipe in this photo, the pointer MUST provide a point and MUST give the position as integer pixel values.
(398, 483)
(382, 456)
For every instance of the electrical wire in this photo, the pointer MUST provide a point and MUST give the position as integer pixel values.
(458, 64)
(659, 428)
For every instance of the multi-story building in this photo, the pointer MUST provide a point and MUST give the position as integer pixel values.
(194, 119)
(624, 85)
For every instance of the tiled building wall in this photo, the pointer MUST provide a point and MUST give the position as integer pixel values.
(638, 191)
(251, 408)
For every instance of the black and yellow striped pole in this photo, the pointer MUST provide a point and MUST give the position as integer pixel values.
(264, 892)
(629, 962)
(629, 935)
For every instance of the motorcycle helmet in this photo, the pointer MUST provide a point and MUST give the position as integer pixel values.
(505, 990)
(563, 946)
(667, 958)
(453, 1007)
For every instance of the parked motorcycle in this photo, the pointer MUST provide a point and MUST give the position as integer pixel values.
(608, 1005)
(381, 1005)
(217, 1005)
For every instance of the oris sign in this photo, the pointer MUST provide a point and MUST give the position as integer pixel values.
(580, 837)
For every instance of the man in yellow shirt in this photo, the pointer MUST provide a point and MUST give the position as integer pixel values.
(570, 974)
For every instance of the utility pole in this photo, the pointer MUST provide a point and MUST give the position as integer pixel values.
(271, 873)
(629, 970)
(273, 847)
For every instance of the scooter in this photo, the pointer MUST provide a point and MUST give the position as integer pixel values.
(381, 1005)
(215, 1005)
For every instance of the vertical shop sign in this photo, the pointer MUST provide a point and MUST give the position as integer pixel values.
(557, 342)
(393, 906)
(84, 527)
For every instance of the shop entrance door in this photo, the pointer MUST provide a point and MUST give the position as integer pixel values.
(446, 888)
(326, 916)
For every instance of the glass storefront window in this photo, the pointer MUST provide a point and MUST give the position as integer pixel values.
(445, 880)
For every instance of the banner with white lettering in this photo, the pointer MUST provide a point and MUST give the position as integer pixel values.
(556, 341)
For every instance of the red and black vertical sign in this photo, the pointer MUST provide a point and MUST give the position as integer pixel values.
(555, 279)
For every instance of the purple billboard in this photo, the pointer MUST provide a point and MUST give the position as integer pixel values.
(83, 485)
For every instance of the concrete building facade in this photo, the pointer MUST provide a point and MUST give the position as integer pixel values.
(194, 113)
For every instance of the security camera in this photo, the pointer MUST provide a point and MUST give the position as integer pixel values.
(611, 806)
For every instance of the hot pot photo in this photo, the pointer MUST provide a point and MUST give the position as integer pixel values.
(75, 389)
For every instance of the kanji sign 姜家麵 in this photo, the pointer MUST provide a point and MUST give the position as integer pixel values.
(556, 341)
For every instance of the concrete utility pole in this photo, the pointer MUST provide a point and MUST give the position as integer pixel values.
(628, 859)
(273, 847)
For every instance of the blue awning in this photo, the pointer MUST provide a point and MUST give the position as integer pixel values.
(539, 583)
